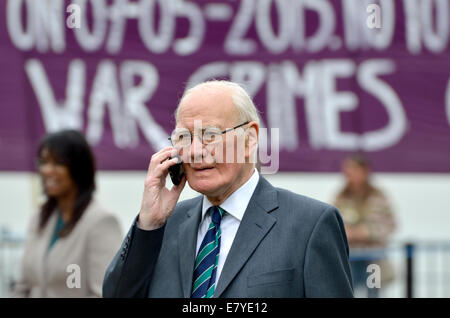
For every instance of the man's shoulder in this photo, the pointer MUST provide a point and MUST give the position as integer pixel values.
(289, 197)
(305, 208)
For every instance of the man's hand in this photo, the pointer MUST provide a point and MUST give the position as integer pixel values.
(158, 202)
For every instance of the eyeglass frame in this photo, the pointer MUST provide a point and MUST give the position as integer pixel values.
(221, 133)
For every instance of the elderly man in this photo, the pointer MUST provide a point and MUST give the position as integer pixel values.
(242, 237)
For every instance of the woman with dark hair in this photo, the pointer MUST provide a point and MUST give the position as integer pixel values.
(72, 239)
(368, 220)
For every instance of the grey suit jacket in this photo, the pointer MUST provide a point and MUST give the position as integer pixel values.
(287, 245)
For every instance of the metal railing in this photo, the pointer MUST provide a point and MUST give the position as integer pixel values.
(11, 246)
(421, 269)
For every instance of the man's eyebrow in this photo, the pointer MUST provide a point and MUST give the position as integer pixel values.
(211, 126)
(203, 127)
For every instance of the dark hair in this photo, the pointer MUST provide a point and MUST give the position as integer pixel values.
(362, 161)
(71, 149)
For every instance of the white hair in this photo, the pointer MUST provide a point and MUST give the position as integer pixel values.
(241, 100)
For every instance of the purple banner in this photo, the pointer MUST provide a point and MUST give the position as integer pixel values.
(333, 76)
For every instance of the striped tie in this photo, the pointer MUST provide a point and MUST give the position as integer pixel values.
(208, 257)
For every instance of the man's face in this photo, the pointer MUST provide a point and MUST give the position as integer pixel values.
(355, 174)
(205, 172)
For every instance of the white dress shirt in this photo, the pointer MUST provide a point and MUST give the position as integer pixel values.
(235, 206)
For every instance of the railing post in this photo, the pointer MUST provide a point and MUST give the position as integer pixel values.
(409, 249)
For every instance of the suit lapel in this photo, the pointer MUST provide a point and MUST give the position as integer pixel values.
(187, 242)
(254, 226)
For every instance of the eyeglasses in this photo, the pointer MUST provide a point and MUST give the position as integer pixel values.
(182, 137)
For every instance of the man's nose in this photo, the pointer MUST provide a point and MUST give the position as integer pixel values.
(196, 149)
(46, 168)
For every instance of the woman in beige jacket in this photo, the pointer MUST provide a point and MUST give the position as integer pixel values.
(72, 239)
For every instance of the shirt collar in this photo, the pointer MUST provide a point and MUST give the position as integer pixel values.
(237, 202)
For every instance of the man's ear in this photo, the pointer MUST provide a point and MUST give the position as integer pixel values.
(251, 141)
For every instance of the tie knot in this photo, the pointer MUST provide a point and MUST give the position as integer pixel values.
(216, 215)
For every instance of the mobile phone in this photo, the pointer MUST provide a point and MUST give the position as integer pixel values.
(176, 171)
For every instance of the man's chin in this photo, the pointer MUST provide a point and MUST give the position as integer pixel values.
(207, 187)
